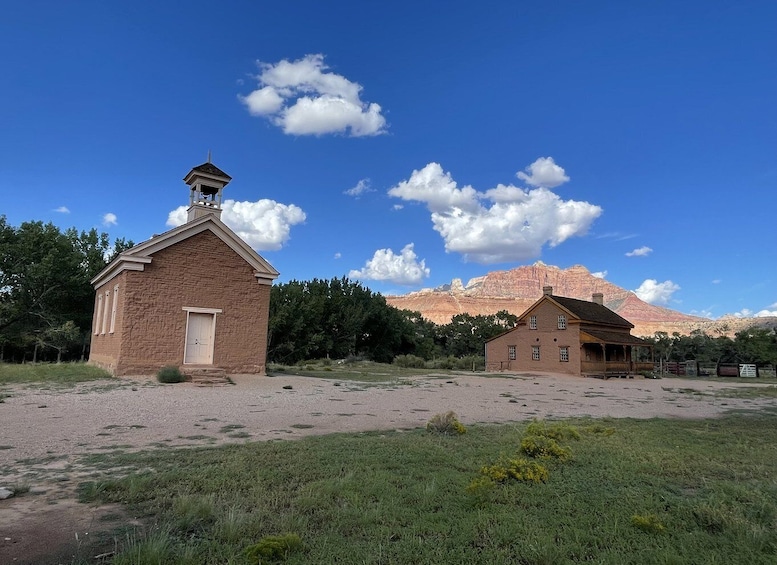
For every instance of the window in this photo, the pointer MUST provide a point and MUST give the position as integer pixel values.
(562, 322)
(533, 323)
(535, 352)
(113, 307)
(98, 316)
(511, 352)
(563, 354)
(105, 311)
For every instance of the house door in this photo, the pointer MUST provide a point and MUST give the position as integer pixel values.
(199, 339)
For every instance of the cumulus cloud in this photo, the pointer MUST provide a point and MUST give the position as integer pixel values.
(62, 210)
(265, 224)
(361, 187)
(303, 98)
(543, 172)
(385, 265)
(654, 292)
(338, 255)
(110, 219)
(765, 313)
(640, 252)
(505, 223)
(600, 274)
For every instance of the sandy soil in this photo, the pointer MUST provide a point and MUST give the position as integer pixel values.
(43, 432)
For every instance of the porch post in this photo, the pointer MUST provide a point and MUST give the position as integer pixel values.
(604, 359)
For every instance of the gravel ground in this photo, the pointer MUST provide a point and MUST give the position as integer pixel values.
(43, 432)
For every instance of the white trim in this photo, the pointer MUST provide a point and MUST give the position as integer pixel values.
(98, 316)
(105, 312)
(120, 264)
(212, 312)
(113, 308)
(198, 310)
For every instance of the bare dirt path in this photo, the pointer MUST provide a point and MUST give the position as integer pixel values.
(44, 432)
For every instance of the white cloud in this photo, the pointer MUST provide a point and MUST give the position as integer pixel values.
(338, 255)
(716, 281)
(640, 252)
(600, 274)
(513, 225)
(361, 187)
(265, 224)
(703, 313)
(543, 172)
(765, 313)
(744, 313)
(110, 219)
(62, 210)
(654, 292)
(303, 99)
(399, 269)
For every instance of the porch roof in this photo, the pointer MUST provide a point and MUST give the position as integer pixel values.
(613, 338)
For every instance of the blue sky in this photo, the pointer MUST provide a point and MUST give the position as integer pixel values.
(405, 144)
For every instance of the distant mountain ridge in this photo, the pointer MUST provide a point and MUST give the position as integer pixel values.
(517, 289)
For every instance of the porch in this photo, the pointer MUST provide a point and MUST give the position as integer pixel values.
(606, 354)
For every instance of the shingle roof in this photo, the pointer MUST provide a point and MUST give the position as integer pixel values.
(592, 312)
(211, 169)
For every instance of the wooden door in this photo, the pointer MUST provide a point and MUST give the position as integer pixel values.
(199, 339)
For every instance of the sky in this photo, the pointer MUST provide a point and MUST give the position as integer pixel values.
(407, 144)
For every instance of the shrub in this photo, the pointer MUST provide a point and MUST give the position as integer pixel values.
(542, 447)
(518, 469)
(273, 548)
(446, 423)
(170, 374)
(648, 523)
(557, 431)
(409, 362)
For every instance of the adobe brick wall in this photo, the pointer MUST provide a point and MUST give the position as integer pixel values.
(201, 271)
(547, 336)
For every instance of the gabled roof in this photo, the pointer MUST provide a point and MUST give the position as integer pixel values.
(137, 257)
(590, 311)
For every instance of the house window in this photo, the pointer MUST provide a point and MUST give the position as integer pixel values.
(113, 307)
(99, 314)
(511, 352)
(533, 323)
(105, 311)
(563, 354)
(535, 352)
(562, 322)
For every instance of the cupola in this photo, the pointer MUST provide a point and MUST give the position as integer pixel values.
(206, 183)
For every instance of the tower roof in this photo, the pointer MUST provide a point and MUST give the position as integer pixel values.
(209, 169)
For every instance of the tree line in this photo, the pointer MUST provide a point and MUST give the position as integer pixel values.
(46, 307)
(46, 300)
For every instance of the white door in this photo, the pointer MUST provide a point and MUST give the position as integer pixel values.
(199, 339)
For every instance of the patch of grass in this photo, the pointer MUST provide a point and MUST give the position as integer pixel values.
(170, 374)
(749, 392)
(230, 428)
(239, 435)
(359, 371)
(302, 426)
(401, 497)
(50, 373)
(447, 423)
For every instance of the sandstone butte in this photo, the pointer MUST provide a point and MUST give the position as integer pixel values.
(517, 289)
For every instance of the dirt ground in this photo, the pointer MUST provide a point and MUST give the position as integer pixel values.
(45, 432)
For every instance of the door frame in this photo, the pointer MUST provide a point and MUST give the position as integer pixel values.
(197, 310)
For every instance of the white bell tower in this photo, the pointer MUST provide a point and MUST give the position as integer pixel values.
(206, 183)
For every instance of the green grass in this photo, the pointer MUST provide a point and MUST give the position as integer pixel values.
(50, 373)
(649, 491)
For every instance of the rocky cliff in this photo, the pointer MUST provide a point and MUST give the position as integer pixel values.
(517, 289)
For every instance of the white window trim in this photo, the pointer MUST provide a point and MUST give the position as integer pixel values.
(105, 312)
(99, 314)
(562, 322)
(532, 322)
(535, 352)
(198, 310)
(113, 308)
(512, 353)
(561, 351)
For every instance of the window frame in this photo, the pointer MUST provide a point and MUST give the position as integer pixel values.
(532, 322)
(563, 354)
(512, 353)
(535, 352)
(112, 329)
(562, 321)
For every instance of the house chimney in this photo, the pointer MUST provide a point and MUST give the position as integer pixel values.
(547, 290)
(598, 298)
